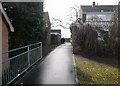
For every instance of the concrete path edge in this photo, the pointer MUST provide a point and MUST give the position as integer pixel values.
(74, 60)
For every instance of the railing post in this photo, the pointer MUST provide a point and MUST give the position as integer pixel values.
(28, 48)
(41, 49)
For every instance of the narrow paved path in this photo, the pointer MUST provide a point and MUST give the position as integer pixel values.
(56, 68)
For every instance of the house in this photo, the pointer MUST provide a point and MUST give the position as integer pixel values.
(101, 14)
(47, 28)
(56, 36)
(5, 28)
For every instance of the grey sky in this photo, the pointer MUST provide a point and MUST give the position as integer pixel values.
(21, 0)
(61, 8)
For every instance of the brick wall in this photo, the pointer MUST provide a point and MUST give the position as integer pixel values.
(0, 37)
(0, 49)
(3, 43)
(4, 40)
(47, 28)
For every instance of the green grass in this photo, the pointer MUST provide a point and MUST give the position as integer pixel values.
(92, 72)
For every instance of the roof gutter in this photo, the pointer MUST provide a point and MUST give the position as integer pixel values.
(6, 17)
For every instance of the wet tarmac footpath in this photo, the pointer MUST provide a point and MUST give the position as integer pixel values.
(56, 68)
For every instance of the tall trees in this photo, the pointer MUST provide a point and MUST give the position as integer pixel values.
(115, 32)
(27, 19)
(84, 38)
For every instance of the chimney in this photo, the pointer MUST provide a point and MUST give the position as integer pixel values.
(93, 4)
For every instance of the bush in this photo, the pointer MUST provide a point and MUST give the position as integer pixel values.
(27, 19)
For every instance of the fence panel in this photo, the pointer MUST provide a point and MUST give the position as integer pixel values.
(19, 61)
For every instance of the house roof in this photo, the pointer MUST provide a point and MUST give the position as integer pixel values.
(56, 31)
(6, 18)
(98, 8)
(46, 17)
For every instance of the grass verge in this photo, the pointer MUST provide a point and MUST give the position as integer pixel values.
(93, 72)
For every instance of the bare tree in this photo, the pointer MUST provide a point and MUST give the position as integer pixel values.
(115, 31)
(84, 38)
(59, 23)
(73, 14)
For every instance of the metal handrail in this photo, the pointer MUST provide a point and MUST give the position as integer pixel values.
(14, 68)
(20, 48)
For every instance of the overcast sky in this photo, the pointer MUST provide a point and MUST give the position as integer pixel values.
(60, 9)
